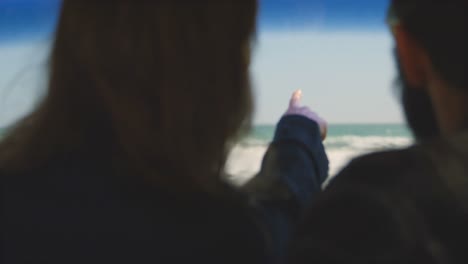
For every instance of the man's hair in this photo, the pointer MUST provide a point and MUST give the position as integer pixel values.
(162, 85)
(440, 26)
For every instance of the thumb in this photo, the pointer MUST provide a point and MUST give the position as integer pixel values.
(295, 99)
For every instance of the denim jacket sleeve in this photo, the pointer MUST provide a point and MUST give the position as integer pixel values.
(293, 170)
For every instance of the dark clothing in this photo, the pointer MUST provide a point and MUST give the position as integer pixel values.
(403, 206)
(75, 210)
(295, 157)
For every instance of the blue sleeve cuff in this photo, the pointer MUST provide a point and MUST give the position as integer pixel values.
(305, 134)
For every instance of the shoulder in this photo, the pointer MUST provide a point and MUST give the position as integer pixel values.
(361, 201)
(393, 195)
(386, 169)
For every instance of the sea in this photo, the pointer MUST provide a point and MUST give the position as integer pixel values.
(344, 142)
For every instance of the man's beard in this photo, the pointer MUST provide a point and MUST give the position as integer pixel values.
(417, 107)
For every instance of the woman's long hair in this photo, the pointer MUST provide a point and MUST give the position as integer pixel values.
(161, 87)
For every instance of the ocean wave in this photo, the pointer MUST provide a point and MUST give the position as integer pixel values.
(366, 143)
(253, 142)
(245, 158)
(345, 142)
(244, 162)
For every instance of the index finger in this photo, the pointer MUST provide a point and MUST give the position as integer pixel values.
(295, 99)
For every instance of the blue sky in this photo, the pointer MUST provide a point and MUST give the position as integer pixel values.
(323, 14)
(337, 51)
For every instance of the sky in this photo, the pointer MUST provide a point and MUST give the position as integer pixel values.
(339, 52)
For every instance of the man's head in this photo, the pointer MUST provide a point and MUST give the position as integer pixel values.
(432, 57)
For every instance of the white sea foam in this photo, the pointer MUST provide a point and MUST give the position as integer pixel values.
(366, 143)
(245, 159)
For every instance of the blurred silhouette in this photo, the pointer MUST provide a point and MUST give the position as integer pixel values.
(411, 205)
(122, 162)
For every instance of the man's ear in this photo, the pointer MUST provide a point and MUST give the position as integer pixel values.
(413, 57)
